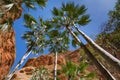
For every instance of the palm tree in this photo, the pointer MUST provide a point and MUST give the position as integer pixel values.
(35, 38)
(11, 10)
(40, 37)
(101, 68)
(56, 44)
(70, 14)
(111, 59)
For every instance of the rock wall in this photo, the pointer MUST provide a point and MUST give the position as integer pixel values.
(48, 62)
(7, 52)
(7, 38)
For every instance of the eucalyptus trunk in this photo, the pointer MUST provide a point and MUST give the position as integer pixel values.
(55, 65)
(100, 67)
(107, 56)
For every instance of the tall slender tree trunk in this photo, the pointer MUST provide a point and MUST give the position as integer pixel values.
(55, 65)
(101, 68)
(107, 56)
(20, 62)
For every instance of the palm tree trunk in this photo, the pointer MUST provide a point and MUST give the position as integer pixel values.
(20, 62)
(101, 68)
(55, 66)
(111, 59)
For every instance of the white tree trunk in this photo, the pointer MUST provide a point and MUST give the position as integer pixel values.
(20, 63)
(107, 56)
(101, 68)
(55, 66)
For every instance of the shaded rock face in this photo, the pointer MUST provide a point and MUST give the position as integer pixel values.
(44, 60)
(7, 52)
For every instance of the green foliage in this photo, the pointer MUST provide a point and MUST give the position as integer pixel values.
(88, 76)
(73, 71)
(74, 43)
(53, 33)
(57, 40)
(70, 70)
(57, 12)
(52, 38)
(29, 20)
(57, 43)
(40, 74)
(110, 36)
(70, 13)
(73, 11)
(84, 20)
(83, 66)
(35, 36)
(41, 2)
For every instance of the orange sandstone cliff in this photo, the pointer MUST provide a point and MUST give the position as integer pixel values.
(48, 62)
(7, 38)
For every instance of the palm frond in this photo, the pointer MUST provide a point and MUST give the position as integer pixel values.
(81, 10)
(74, 43)
(53, 33)
(68, 6)
(27, 34)
(29, 20)
(41, 2)
(90, 75)
(57, 12)
(29, 4)
(84, 20)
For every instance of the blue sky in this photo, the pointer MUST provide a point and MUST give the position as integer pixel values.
(97, 9)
